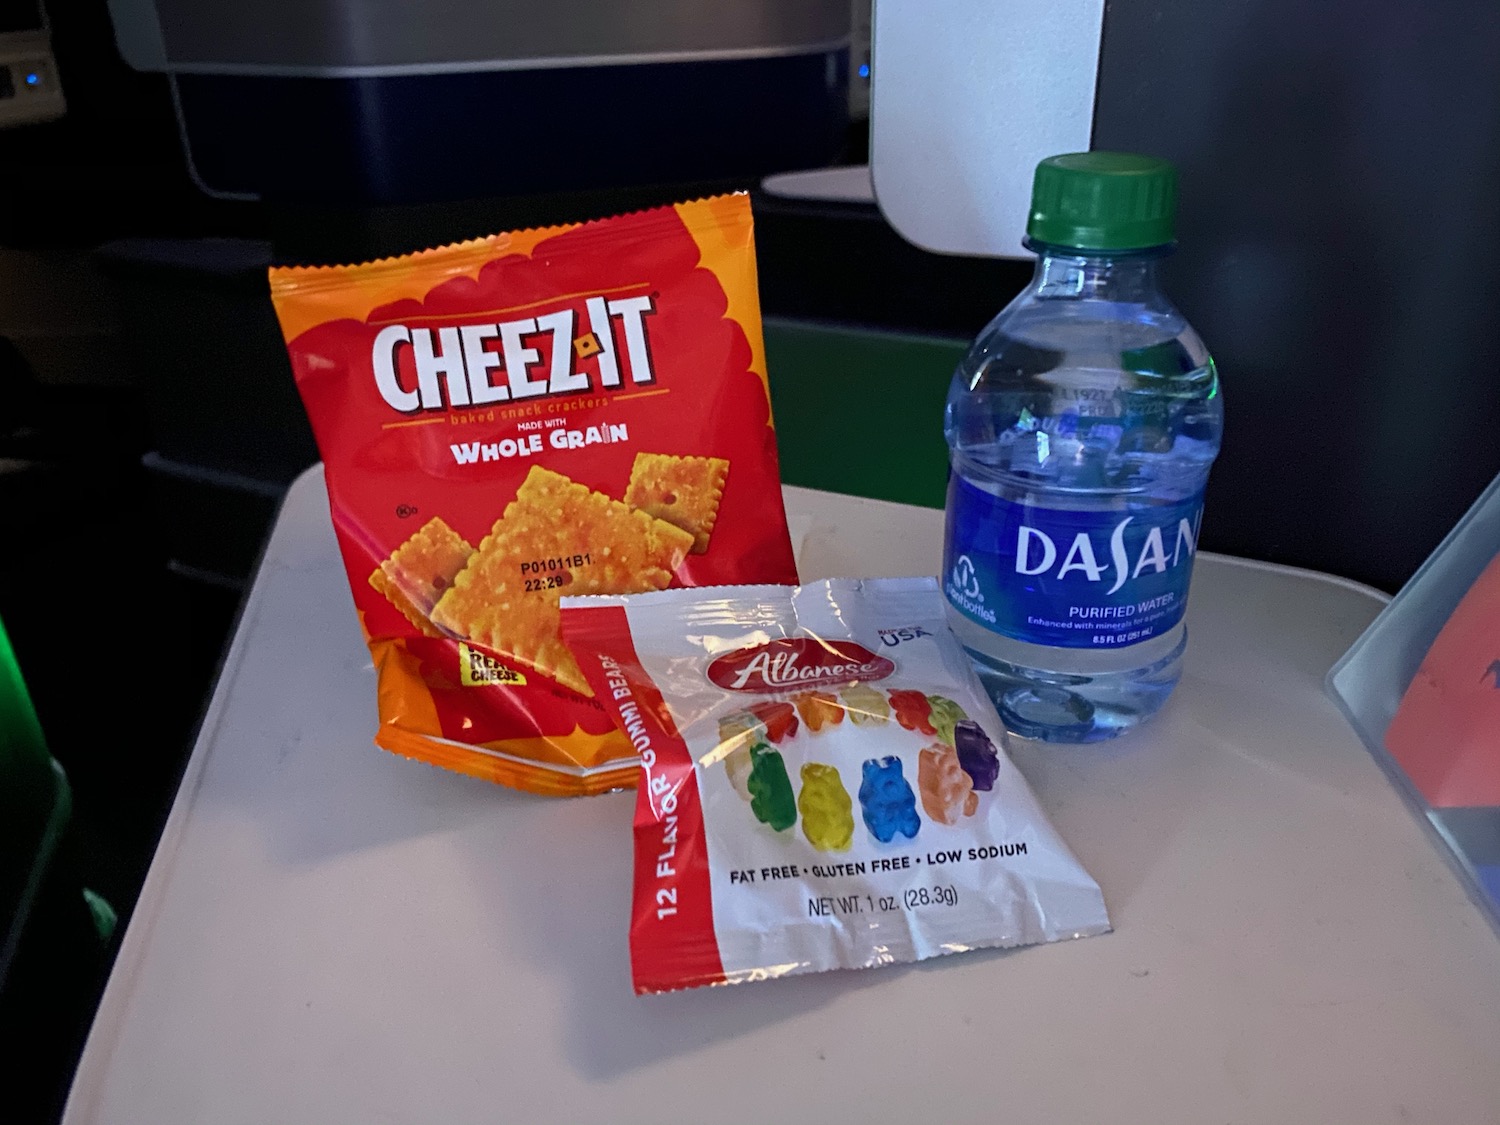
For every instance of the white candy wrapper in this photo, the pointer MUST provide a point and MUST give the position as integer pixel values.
(822, 784)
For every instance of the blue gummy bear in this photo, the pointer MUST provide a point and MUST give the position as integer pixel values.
(886, 801)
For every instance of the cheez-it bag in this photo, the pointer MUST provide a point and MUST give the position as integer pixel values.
(573, 410)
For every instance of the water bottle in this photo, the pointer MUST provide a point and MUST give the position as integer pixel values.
(1081, 427)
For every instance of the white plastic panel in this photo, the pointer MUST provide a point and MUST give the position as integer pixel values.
(966, 97)
(845, 183)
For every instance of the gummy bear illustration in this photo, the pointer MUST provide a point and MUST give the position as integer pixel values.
(947, 791)
(886, 801)
(913, 711)
(737, 764)
(827, 812)
(866, 706)
(818, 709)
(779, 719)
(735, 727)
(976, 754)
(945, 713)
(771, 798)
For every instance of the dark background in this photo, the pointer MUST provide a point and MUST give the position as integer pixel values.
(1340, 177)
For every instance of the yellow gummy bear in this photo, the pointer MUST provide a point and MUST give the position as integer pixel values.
(866, 706)
(827, 812)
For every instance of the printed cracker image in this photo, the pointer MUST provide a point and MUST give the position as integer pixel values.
(684, 491)
(556, 537)
(421, 570)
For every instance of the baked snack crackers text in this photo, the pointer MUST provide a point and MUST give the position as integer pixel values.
(575, 410)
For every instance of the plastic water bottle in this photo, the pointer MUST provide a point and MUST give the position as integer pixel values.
(1081, 427)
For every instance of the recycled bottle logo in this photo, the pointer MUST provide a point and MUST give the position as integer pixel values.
(965, 580)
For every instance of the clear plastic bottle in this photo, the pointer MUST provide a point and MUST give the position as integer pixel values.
(1081, 427)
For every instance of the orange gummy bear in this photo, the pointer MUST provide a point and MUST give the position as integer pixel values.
(947, 791)
(819, 709)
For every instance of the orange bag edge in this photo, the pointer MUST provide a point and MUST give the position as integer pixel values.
(530, 777)
(305, 296)
(547, 765)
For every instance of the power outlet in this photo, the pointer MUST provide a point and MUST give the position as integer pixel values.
(30, 90)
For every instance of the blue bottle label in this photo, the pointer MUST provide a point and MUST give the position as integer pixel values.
(1071, 579)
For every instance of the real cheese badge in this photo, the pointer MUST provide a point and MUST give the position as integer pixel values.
(579, 409)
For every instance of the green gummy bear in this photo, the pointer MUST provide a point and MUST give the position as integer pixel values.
(771, 797)
(945, 716)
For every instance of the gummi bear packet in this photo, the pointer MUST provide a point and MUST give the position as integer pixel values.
(765, 846)
(577, 409)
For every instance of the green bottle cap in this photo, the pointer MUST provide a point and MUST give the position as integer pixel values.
(1103, 201)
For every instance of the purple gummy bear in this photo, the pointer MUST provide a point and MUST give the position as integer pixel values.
(977, 754)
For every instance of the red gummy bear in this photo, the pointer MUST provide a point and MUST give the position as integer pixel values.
(819, 709)
(913, 711)
(780, 719)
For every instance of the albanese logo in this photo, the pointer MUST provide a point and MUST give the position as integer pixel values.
(795, 662)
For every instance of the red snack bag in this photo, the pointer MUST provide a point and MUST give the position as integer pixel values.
(579, 409)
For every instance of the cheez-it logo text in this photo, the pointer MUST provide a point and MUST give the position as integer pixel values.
(479, 364)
